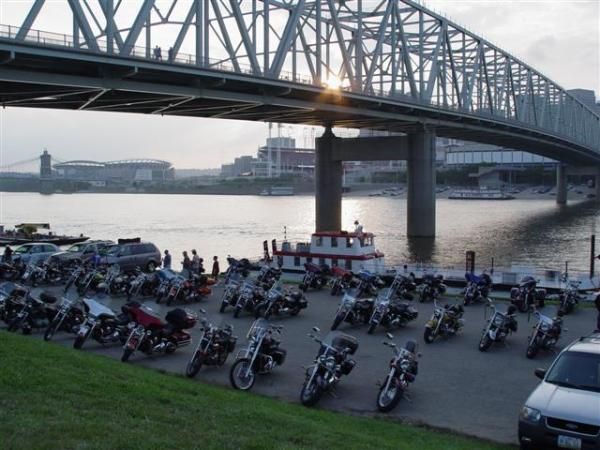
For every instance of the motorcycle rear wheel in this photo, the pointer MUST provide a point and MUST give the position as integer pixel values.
(387, 399)
(310, 395)
(194, 366)
(237, 380)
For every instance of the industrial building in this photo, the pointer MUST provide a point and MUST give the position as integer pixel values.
(145, 171)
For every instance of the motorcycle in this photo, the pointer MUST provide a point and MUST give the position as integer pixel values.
(341, 280)
(315, 277)
(277, 301)
(432, 287)
(267, 277)
(75, 278)
(404, 367)
(9, 271)
(445, 321)
(11, 300)
(152, 335)
(389, 312)
(527, 294)
(498, 327)
(165, 278)
(477, 289)
(102, 324)
(68, 318)
(248, 297)
(231, 291)
(214, 346)
(116, 281)
(31, 312)
(90, 280)
(368, 283)
(353, 310)
(141, 284)
(569, 297)
(332, 361)
(32, 274)
(236, 267)
(261, 356)
(545, 333)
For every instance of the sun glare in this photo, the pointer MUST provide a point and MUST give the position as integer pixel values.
(333, 82)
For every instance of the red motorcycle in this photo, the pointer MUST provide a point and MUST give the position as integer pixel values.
(153, 335)
(190, 290)
(341, 280)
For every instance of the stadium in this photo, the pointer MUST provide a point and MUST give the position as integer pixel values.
(125, 171)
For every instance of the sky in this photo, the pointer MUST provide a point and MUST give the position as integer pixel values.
(560, 38)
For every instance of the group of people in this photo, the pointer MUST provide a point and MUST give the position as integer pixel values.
(193, 265)
(157, 54)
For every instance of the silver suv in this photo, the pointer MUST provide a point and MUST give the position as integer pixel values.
(130, 255)
(564, 410)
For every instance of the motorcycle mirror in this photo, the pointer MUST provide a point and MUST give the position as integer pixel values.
(316, 329)
(389, 335)
(202, 310)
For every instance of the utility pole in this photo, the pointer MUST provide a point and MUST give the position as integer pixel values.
(269, 164)
(279, 150)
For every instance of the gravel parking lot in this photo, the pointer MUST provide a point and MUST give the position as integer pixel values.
(458, 388)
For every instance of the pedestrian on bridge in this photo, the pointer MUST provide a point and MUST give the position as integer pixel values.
(158, 53)
(171, 54)
(597, 302)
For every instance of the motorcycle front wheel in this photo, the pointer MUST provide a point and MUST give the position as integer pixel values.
(52, 328)
(429, 335)
(126, 354)
(261, 311)
(372, 327)
(310, 393)
(194, 365)
(485, 343)
(242, 375)
(79, 341)
(388, 398)
(337, 321)
(532, 349)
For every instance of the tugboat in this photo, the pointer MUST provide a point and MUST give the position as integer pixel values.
(352, 251)
(28, 232)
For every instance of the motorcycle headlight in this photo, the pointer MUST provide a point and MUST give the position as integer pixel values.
(530, 414)
(404, 364)
(545, 326)
(498, 321)
(330, 363)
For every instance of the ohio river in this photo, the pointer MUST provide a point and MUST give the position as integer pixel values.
(525, 232)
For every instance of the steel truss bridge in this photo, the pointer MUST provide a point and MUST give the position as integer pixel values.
(391, 65)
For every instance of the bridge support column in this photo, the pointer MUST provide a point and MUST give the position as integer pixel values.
(561, 184)
(420, 209)
(328, 184)
(597, 184)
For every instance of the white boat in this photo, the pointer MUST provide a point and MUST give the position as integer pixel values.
(278, 191)
(351, 251)
(479, 194)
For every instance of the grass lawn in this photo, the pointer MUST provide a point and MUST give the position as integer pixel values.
(56, 398)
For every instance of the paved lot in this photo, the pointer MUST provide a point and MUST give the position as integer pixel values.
(458, 387)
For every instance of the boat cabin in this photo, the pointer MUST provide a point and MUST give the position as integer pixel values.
(351, 251)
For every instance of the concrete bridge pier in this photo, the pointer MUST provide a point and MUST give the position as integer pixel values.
(421, 184)
(417, 148)
(328, 183)
(561, 184)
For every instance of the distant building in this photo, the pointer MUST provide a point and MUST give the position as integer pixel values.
(116, 172)
(241, 166)
(463, 153)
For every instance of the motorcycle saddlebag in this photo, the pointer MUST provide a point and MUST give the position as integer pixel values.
(347, 366)
(180, 319)
(343, 341)
(279, 355)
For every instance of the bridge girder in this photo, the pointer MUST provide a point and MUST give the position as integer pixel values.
(390, 51)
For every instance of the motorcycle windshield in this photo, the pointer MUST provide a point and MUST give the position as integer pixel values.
(275, 292)
(339, 341)
(96, 309)
(259, 328)
(383, 298)
(349, 297)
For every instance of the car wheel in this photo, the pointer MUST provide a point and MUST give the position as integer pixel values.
(151, 266)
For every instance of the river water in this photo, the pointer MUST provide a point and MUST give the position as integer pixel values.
(534, 233)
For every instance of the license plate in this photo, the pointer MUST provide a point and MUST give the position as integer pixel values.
(569, 442)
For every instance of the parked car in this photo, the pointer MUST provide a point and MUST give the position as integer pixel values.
(83, 251)
(34, 252)
(564, 410)
(132, 253)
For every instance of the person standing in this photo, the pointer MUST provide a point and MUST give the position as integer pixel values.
(195, 262)
(187, 264)
(597, 302)
(7, 254)
(167, 260)
(215, 269)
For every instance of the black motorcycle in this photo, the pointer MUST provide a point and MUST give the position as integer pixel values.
(214, 346)
(353, 310)
(403, 371)
(498, 326)
(569, 297)
(102, 324)
(477, 289)
(31, 313)
(261, 356)
(315, 277)
(331, 363)
(249, 296)
(142, 284)
(389, 310)
(527, 294)
(267, 277)
(277, 301)
(545, 333)
(68, 318)
(432, 287)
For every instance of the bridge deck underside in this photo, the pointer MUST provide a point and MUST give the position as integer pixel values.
(56, 79)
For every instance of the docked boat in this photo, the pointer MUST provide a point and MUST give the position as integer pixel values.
(352, 251)
(278, 191)
(479, 194)
(29, 232)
